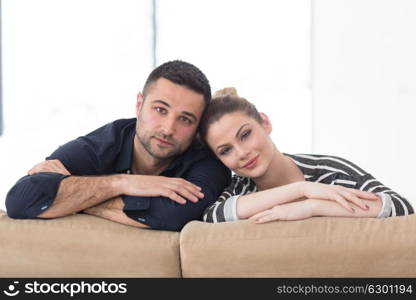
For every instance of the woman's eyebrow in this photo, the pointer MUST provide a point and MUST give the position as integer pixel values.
(236, 135)
(238, 132)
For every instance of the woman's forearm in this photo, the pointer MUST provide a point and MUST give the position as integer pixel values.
(251, 204)
(333, 209)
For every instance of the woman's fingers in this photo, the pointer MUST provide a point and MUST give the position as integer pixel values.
(260, 215)
(364, 194)
(341, 200)
(354, 199)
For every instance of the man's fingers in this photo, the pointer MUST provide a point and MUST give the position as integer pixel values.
(54, 166)
(172, 195)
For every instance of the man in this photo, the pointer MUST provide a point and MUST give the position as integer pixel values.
(149, 171)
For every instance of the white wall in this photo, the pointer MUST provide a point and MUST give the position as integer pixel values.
(69, 66)
(260, 47)
(345, 86)
(364, 86)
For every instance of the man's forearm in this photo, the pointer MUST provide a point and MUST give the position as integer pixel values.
(113, 210)
(77, 193)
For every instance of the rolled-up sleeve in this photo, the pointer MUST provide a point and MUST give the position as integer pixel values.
(32, 195)
(165, 214)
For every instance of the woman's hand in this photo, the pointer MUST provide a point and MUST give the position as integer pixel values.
(291, 211)
(340, 194)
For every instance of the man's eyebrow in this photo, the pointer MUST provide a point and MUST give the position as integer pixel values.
(236, 135)
(187, 113)
(161, 102)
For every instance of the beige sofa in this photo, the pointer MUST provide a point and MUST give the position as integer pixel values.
(87, 246)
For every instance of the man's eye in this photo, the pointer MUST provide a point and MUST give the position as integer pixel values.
(161, 110)
(185, 120)
(245, 134)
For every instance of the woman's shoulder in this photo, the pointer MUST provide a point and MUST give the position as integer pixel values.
(240, 184)
(325, 161)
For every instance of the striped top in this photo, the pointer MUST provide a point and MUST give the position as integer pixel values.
(316, 168)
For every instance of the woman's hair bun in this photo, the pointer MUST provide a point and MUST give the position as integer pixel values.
(228, 91)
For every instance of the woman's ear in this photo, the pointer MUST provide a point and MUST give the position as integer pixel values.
(265, 122)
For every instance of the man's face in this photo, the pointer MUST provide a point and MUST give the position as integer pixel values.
(168, 118)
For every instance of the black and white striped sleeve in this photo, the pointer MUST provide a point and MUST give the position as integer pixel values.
(339, 171)
(393, 204)
(225, 208)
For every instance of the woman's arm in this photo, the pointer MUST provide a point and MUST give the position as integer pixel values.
(304, 209)
(251, 204)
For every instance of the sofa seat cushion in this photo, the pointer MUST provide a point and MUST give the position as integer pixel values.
(85, 246)
(316, 247)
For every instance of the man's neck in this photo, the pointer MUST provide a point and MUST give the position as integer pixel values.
(145, 164)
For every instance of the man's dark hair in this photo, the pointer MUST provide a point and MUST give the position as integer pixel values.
(182, 73)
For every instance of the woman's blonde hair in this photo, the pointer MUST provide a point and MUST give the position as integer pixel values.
(226, 101)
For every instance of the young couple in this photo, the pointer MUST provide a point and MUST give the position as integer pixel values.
(152, 171)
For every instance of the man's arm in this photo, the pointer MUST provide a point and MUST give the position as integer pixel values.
(77, 193)
(113, 210)
(163, 214)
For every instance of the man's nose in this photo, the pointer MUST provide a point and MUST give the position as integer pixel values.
(168, 126)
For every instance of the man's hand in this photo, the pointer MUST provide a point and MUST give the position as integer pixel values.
(177, 189)
(113, 210)
(53, 166)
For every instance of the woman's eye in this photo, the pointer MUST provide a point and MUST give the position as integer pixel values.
(224, 151)
(245, 134)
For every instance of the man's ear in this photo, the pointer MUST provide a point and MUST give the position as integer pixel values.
(265, 122)
(139, 103)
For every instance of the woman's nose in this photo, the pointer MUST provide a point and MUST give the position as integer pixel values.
(242, 153)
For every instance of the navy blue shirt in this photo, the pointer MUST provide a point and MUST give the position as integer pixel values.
(109, 150)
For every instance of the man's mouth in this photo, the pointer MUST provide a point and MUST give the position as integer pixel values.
(163, 142)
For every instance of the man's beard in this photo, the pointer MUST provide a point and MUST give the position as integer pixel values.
(145, 139)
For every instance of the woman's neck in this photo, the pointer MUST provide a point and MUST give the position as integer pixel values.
(281, 171)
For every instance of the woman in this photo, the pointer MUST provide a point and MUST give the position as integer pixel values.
(269, 185)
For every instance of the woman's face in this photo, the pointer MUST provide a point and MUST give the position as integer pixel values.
(242, 144)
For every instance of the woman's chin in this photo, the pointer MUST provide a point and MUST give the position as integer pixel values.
(254, 173)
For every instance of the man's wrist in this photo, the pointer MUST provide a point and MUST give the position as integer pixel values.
(118, 184)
